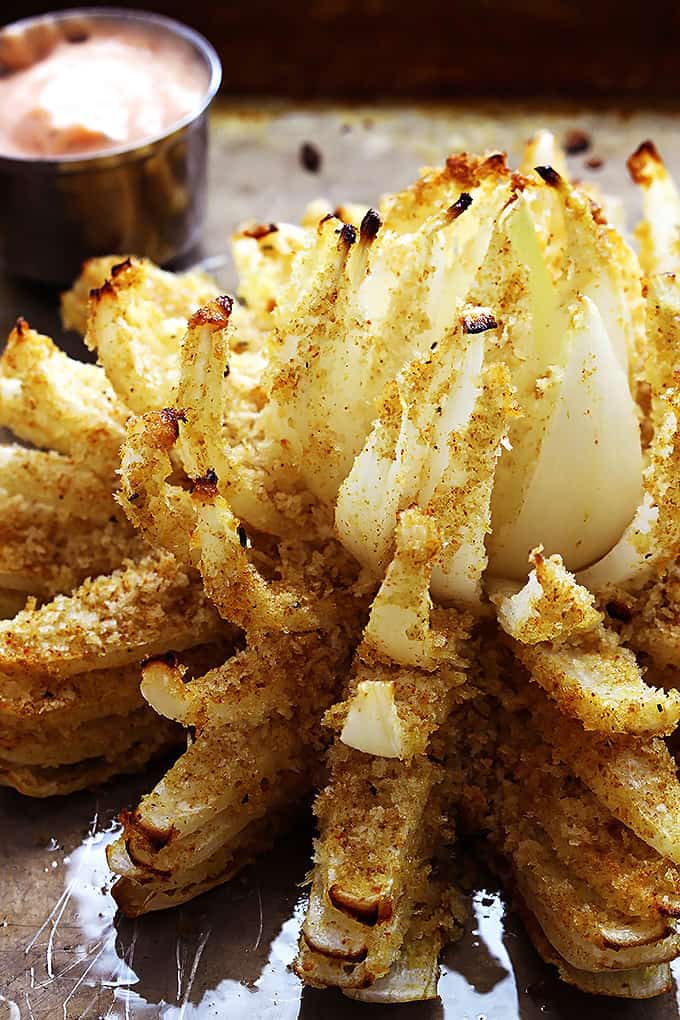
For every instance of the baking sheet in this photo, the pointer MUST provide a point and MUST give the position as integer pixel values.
(63, 952)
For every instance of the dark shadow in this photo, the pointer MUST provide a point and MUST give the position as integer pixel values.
(475, 961)
(333, 1005)
(473, 956)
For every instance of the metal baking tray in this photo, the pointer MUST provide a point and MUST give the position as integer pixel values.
(63, 951)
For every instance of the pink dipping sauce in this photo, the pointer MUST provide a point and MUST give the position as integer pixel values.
(115, 85)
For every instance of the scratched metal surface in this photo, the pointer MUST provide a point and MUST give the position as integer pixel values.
(63, 952)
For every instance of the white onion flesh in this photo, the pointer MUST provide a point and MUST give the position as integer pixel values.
(587, 482)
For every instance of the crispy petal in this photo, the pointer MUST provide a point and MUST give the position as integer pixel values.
(48, 399)
(414, 974)
(113, 620)
(136, 322)
(75, 302)
(641, 983)
(595, 938)
(634, 777)
(35, 781)
(41, 554)
(256, 752)
(657, 234)
(163, 512)
(551, 605)
(378, 820)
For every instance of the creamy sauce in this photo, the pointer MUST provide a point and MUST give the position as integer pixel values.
(117, 84)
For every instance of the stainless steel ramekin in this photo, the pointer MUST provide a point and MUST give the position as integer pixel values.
(147, 200)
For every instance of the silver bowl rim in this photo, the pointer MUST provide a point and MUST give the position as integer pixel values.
(122, 153)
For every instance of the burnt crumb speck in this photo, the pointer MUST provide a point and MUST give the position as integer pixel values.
(242, 536)
(549, 175)
(370, 225)
(577, 141)
(21, 326)
(261, 230)
(595, 163)
(133, 497)
(205, 487)
(463, 202)
(172, 417)
(348, 234)
(310, 157)
(479, 323)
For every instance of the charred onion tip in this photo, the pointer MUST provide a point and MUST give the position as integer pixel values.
(518, 182)
(647, 148)
(348, 234)
(463, 202)
(106, 288)
(370, 225)
(216, 313)
(120, 267)
(549, 175)
(479, 323)
(637, 163)
(260, 231)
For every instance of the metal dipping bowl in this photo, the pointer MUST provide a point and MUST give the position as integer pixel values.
(146, 199)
